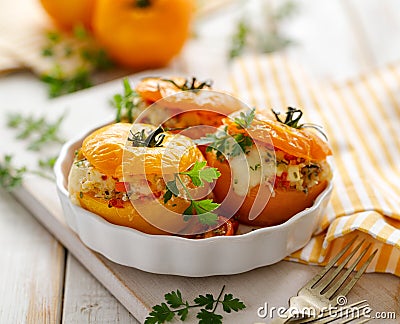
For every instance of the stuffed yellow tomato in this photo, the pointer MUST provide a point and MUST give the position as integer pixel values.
(140, 176)
(175, 102)
(286, 159)
(96, 180)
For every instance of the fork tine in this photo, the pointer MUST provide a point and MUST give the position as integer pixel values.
(331, 263)
(345, 290)
(329, 279)
(329, 293)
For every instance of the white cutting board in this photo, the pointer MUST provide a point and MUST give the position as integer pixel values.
(138, 291)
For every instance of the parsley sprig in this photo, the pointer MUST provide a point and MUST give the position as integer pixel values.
(38, 130)
(175, 305)
(126, 103)
(230, 145)
(202, 208)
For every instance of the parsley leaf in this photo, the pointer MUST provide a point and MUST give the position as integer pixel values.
(229, 303)
(204, 210)
(183, 313)
(207, 301)
(174, 299)
(208, 305)
(199, 174)
(207, 317)
(160, 314)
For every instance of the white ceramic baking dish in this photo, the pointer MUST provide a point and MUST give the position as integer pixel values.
(174, 255)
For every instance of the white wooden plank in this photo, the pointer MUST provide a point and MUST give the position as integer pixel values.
(87, 301)
(31, 267)
(138, 291)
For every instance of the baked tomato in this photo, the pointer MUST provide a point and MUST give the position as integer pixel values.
(228, 227)
(299, 171)
(71, 13)
(142, 33)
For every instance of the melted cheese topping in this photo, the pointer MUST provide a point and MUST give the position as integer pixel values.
(257, 168)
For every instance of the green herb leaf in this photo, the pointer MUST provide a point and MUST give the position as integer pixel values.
(126, 103)
(39, 130)
(199, 173)
(265, 38)
(207, 317)
(47, 163)
(174, 299)
(207, 301)
(226, 145)
(239, 39)
(207, 304)
(229, 303)
(79, 51)
(59, 84)
(183, 313)
(10, 176)
(246, 118)
(171, 185)
(204, 210)
(160, 314)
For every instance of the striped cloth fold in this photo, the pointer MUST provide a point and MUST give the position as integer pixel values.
(362, 120)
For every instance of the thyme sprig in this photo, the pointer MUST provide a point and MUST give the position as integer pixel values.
(154, 139)
(126, 103)
(191, 84)
(265, 38)
(175, 305)
(79, 51)
(38, 130)
(199, 174)
(10, 175)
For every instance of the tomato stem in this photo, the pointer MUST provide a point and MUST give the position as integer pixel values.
(143, 3)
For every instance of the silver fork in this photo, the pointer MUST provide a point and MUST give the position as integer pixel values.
(325, 287)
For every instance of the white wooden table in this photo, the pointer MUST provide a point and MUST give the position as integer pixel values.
(40, 282)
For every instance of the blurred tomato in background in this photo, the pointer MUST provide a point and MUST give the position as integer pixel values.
(138, 34)
(68, 14)
(142, 33)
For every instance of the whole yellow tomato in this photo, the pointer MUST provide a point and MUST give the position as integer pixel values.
(142, 33)
(70, 13)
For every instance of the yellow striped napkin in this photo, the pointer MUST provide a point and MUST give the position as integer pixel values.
(362, 120)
